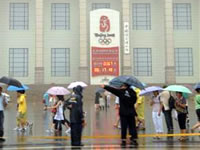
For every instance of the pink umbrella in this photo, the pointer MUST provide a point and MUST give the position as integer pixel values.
(58, 90)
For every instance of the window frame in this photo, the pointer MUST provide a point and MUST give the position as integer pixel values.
(96, 6)
(137, 61)
(54, 62)
(13, 19)
(136, 16)
(14, 56)
(189, 70)
(181, 22)
(55, 17)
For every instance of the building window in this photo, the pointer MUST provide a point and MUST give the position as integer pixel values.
(182, 16)
(184, 61)
(142, 62)
(19, 16)
(141, 16)
(18, 62)
(60, 62)
(60, 16)
(100, 5)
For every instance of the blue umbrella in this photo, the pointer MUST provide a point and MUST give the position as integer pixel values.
(150, 89)
(197, 86)
(15, 88)
(125, 79)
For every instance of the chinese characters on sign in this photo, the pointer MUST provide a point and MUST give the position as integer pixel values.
(126, 38)
(105, 61)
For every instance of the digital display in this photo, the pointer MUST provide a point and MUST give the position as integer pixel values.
(105, 61)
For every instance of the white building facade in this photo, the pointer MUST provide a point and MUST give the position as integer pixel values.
(48, 41)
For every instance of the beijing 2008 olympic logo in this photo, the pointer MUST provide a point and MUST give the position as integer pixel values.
(104, 27)
(104, 41)
(104, 24)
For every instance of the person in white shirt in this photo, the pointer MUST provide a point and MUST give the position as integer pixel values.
(156, 113)
(3, 104)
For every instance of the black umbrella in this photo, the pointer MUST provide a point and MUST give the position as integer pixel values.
(10, 81)
(125, 79)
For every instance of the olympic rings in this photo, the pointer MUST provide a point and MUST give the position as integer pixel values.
(104, 41)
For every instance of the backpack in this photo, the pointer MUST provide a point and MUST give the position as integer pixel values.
(171, 102)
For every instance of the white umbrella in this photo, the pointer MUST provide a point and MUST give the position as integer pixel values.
(77, 83)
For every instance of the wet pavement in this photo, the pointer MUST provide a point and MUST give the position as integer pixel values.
(98, 134)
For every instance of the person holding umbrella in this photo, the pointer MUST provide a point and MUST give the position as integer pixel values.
(157, 113)
(156, 107)
(59, 117)
(22, 111)
(127, 100)
(180, 106)
(75, 105)
(3, 104)
(59, 114)
(22, 122)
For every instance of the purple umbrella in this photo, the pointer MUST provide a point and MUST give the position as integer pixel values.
(58, 90)
(150, 89)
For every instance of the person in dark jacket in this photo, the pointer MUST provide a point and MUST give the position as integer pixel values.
(75, 105)
(97, 95)
(127, 99)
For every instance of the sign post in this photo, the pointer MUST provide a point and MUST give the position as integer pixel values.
(104, 45)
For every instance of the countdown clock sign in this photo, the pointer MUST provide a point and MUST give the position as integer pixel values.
(104, 43)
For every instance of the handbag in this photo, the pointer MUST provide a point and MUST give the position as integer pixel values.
(53, 110)
(180, 109)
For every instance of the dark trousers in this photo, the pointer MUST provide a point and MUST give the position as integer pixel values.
(128, 122)
(1, 123)
(58, 125)
(182, 120)
(76, 131)
(168, 120)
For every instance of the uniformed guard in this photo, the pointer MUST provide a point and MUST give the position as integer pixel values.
(75, 105)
